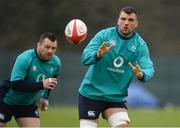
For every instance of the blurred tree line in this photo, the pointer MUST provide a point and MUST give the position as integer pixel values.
(22, 21)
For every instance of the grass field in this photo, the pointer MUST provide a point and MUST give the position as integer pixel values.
(68, 117)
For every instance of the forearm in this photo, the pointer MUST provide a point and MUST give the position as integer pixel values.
(25, 86)
(89, 59)
(45, 93)
(4, 88)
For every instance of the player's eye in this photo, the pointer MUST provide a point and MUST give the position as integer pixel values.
(53, 48)
(47, 46)
(131, 20)
(123, 19)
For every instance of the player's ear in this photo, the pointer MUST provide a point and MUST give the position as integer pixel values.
(136, 24)
(38, 44)
(118, 21)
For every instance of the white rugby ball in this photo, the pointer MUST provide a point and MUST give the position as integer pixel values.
(76, 31)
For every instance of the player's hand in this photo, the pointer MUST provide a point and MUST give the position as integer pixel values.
(137, 70)
(43, 104)
(50, 83)
(104, 48)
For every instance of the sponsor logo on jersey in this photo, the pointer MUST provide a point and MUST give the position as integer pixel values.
(133, 48)
(2, 116)
(40, 78)
(51, 70)
(36, 113)
(112, 42)
(91, 113)
(115, 70)
(34, 68)
(117, 63)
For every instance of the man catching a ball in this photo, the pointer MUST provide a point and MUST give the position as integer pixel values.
(114, 55)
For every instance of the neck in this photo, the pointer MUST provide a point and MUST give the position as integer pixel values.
(125, 35)
(39, 55)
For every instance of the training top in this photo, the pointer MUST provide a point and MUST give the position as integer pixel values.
(109, 77)
(31, 68)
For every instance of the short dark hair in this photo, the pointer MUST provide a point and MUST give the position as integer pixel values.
(52, 37)
(129, 10)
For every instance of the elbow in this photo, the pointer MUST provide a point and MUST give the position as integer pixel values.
(85, 63)
(83, 60)
(89, 60)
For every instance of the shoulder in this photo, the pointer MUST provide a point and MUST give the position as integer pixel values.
(108, 30)
(142, 45)
(27, 55)
(140, 40)
(22, 63)
(104, 33)
(56, 59)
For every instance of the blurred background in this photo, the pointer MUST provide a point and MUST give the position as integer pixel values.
(22, 22)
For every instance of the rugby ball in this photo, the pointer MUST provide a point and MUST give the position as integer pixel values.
(76, 31)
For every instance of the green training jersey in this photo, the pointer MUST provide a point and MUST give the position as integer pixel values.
(109, 77)
(30, 67)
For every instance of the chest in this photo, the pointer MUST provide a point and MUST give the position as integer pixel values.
(124, 49)
(40, 70)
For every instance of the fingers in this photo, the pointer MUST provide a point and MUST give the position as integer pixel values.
(50, 83)
(137, 70)
(130, 64)
(103, 44)
(51, 87)
(138, 66)
(111, 46)
(104, 48)
(43, 107)
(52, 80)
(107, 45)
(43, 104)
